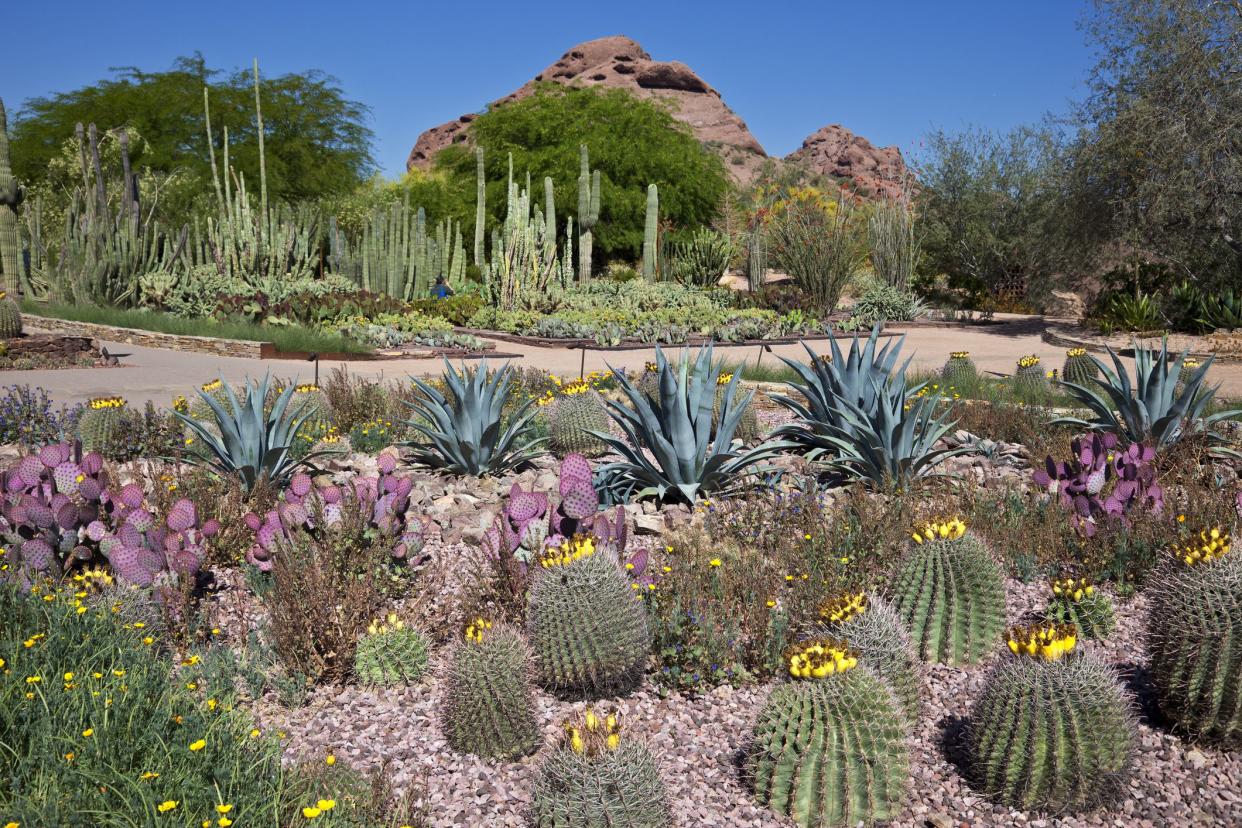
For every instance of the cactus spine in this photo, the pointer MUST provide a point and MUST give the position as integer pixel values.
(588, 211)
(99, 423)
(10, 198)
(390, 653)
(1079, 603)
(573, 418)
(650, 231)
(488, 703)
(10, 316)
(950, 594)
(480, 205)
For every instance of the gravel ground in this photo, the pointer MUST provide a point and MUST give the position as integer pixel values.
(698, 743)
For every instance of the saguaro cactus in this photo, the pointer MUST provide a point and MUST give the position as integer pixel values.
(10, 198)
(549, 216)
(480, 205)
(649, 233)
(588, 212)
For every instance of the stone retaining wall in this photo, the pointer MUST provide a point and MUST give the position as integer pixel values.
(149, 339)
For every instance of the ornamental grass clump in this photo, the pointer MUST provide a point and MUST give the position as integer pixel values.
(488, 707)
(1194, 638)
(830, 745)
(1053, 729)
(597, 775)
(588, 632)
(950, 593)
(1076, 601)
(390, 653)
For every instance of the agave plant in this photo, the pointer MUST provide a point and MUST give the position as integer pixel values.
(669, 450)
(252, 443)
(466, 434)
(1151, 411)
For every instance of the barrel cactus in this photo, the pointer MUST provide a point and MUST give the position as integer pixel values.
(390, 653)
(959, 369)
(950, 594)
(1053, 729)
(100, 423)
(830, 745)
(488, 703)
(1030, 375)
(874, 630)
(573, 418)
(1194, 638)
(588, 632)
(1190, 367)
(748, 427)
(10, 317)
(1080, 367)
(596, 776)
(649, 381)
(1076, 601)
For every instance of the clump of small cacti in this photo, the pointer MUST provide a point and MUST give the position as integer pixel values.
(1076, 601)
(100, 421)
(1080, 367)
(950, 594)
(871, 628)
(1030, 375)
(748, 426)
(489, 707)
(572, 420)
(1053, 729)
(959, 368)
(390, 653)
(1194, 638)
(816, 733)
(589, 634)
(10, 317)
(597, 775)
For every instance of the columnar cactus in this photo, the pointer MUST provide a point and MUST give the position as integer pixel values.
(588, 632)
(480, 206)
(1078, 602)
(1194, 638)
(871, 628)
(1030, 375)
(573, 418)
(950, 594)
(588, 211)
(390, 653)
(1080, 367)
(1053, 729)
(489, 707)
(10, 314)
(10, 199)
(100, 421)
(830, 745)
(650, 232)
(959, 368)
(597, 776)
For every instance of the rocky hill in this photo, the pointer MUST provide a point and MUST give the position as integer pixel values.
(619, 62)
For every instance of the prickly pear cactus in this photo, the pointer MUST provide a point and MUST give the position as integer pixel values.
(588, 632)
(1079, 368)
(10, 316)
(1194, 638)
(1053, 729)
(873, 629)
(1076, 601)
(830, 745)
(596, 776)
(573, 417)
(1030, 376)
(99, 423)
(390, 653)
(950, 594)
(959, 369)
(489, 708)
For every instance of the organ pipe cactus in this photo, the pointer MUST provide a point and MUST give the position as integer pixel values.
(1053, 729)
(1076, 601)
(1194, 638)
(830, 746)
(650, 231)
(950, 594)
(588, 211)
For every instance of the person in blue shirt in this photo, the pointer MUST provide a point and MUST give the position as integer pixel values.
(441, 290)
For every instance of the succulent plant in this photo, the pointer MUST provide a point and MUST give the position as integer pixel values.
(573, 421)
(1030, 376)
(1079, 367)
(140, 547)
(872, 629)
(747, 427)
(1053, 729)
(489, 707)
(390, 653)
(958, 369)
(100, 422)
(1194, 638)
(588, 632)
(1103, 481)
(830, 745)
(596, 776)
(10, 317)
(1076, 601)
(950, 594)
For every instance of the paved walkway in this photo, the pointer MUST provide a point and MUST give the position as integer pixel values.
(158, 375)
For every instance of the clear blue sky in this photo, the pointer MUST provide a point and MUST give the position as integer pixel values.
(888, 71)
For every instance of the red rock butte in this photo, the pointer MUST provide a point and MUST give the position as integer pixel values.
(620, 63)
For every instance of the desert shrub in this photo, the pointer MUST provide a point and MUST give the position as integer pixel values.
(819, 242)
(456, 309)
(882, 302)
(27, 417)
(894, 243)
(701, 259)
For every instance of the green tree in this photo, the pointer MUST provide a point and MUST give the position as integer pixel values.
(632, 142)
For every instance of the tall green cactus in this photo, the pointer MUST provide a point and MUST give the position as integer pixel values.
(523, 264)
(549, 215)
(650, 233)
(10, 198)
(480, 206)
(588, 211)
(489, 707)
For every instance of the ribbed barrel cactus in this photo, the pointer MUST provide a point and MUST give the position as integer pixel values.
(573, 419)
(1053, 729)
(588, 632)
(10, 317)
(390, 653)
(1076, 601)
(649, 380)
(1030, 375)
(748, 426)
(874, 630)
(598, 776)
(1194, 638)
(100, 422)
(959, 369)
(950, 594)
(488, 703)
(830, 745)
(1079, 367)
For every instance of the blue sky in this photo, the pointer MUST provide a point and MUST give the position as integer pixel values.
(890, 72)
